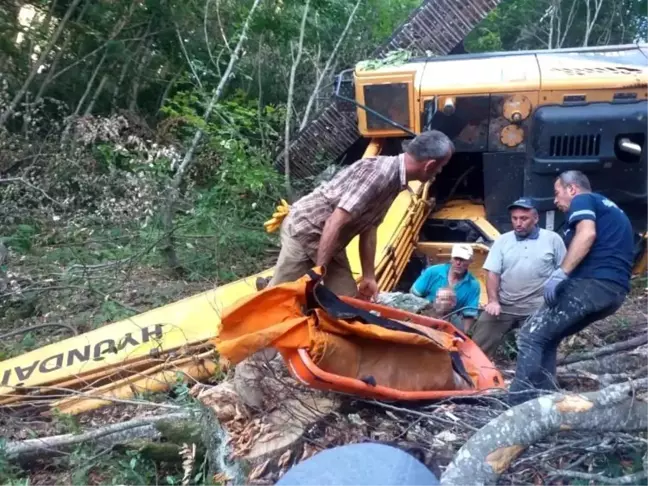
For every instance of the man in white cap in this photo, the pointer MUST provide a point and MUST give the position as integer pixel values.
(454, 275)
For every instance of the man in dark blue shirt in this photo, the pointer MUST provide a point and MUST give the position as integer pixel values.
(591, 283)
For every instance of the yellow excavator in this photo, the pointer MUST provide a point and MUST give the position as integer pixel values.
(516, 118)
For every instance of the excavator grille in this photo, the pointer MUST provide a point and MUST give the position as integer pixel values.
(436, 26)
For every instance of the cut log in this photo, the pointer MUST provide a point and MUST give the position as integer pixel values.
(620, 362)
(490, 451)
(606, 350)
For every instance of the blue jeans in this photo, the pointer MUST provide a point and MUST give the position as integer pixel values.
(359, 464)
(580, 302)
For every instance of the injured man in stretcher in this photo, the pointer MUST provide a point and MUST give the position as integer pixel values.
(447, 291)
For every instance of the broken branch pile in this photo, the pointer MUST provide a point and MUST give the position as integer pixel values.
(557, 438)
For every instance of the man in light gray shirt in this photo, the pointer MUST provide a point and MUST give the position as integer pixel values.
(518, 265)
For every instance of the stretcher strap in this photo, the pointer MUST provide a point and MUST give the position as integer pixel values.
(324, 298)
(458, 366)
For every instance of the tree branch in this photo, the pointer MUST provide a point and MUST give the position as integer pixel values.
(291, 88)
(327, 66)
(186, 55)
(20, 179)
(635, 478)
(4, 116)
(36, 327)
(220, 26)
(606, 350)
(490, 452)
(30, 447)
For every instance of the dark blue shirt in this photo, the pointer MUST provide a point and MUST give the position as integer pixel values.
(611, 254)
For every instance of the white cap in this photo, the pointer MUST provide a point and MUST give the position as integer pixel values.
(462, 251)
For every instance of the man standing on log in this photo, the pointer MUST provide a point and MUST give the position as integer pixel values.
(591, 283)
(320, 225)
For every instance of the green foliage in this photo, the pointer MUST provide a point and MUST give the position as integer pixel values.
(65, 423)
(526, 24)
(10, 474)
(393, 58)
(22, 239)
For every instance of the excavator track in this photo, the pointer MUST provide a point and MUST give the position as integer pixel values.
(436, 26)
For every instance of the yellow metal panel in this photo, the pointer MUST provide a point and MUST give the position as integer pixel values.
(641, 266)
(464, 209)
(560, 72)
(475, 76)
(592, 95)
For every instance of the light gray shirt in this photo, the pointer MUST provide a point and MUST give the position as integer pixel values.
(524, 266)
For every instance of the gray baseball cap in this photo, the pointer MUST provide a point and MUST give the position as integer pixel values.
(523, 202)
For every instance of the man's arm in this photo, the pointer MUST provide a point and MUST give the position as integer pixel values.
(330, 236)
(492, 286)
(492, 291)
(493, 266)
(420, 288)
(559, 250)
(472, 303)
(368, 253)
(581, 217)
(580, 245)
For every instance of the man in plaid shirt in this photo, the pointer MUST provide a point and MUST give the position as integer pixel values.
(320, 225)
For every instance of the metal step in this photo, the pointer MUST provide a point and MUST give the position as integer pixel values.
(436, 26)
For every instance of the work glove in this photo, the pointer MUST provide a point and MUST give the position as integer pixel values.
(551, 285)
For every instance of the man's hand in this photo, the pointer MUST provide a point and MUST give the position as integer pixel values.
(367, 289)
(550, 286)
(493, 308)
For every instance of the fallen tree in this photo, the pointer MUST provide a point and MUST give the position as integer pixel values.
(140, 433)
(490, 451)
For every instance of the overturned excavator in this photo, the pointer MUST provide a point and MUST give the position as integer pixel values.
(517, 119)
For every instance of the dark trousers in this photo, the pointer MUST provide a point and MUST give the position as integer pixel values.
(580, 302)
(489, 331)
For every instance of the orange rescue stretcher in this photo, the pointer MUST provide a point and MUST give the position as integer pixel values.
(355, 347)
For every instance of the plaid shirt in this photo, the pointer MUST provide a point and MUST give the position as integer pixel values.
(366, 189)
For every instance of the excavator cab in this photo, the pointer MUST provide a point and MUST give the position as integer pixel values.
(517, 119)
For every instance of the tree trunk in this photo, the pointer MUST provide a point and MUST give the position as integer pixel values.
(167, 89)
(120, 80)
(591, 18)
(174, 187)
(289, 103)
(95, 97)
(490, 452)
(8, 111)
(68, 126)
(327, 66)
